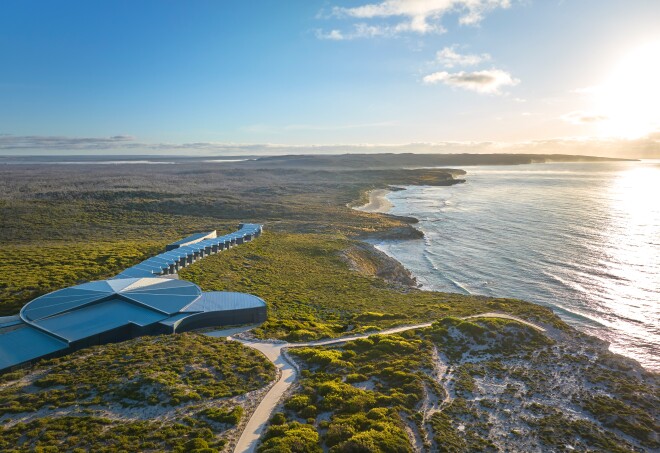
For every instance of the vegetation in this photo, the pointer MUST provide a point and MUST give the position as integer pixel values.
(369, 394)
(164, 370)
(628, 419)
(358, 397)
(557, 430)
(312, 293)
(170, 392)
(61, 225)
(496, 336)
(229, 417)
(293, 437)
(27, 272)
(88, 433)
(460, 385)
(49, 245)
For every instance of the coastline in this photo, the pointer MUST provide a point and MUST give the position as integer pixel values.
(378, 202)
(376, 205)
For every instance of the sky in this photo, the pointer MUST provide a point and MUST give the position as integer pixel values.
(267, 76)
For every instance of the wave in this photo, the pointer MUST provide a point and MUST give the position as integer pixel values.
(555, 236)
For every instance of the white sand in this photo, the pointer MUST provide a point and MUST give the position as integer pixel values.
(377, 202)
(275, 352)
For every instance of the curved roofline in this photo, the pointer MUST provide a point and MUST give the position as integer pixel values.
(161, 263)
(216, 318)
(259, 299)
(102, 296)
(100, 311)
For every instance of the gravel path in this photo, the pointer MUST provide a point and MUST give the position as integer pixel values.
(274, 351)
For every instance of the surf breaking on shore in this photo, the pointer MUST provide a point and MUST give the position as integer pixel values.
(539, 247)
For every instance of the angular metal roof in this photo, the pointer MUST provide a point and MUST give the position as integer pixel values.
(98, 318)
(192, 238)
(53, 323)
(163, 295)
(158, 264)
(222, 301)
(25, 344)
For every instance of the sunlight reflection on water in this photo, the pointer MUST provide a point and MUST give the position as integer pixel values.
(581, 238)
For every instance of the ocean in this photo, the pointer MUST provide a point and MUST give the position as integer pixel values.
(580, 238)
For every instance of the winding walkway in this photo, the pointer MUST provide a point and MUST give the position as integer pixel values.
(274, 351)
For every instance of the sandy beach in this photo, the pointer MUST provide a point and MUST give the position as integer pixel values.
(377, 201)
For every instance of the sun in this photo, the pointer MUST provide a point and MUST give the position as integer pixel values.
(630, 97)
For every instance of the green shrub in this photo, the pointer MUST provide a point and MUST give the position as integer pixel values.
(230, 417)
(278, 419)
(168, 370)
(292, 437)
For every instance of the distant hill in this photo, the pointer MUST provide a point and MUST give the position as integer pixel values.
(410, 160)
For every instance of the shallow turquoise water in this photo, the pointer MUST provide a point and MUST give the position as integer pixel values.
(583, 239)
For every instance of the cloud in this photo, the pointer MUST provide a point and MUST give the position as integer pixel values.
(449, 58)
(360, 30)
(422, 16)
(340, 127)
(646, 147)
(333, 35)
(271, 129)
(579, 117)
(13, 142)
(489, 81)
